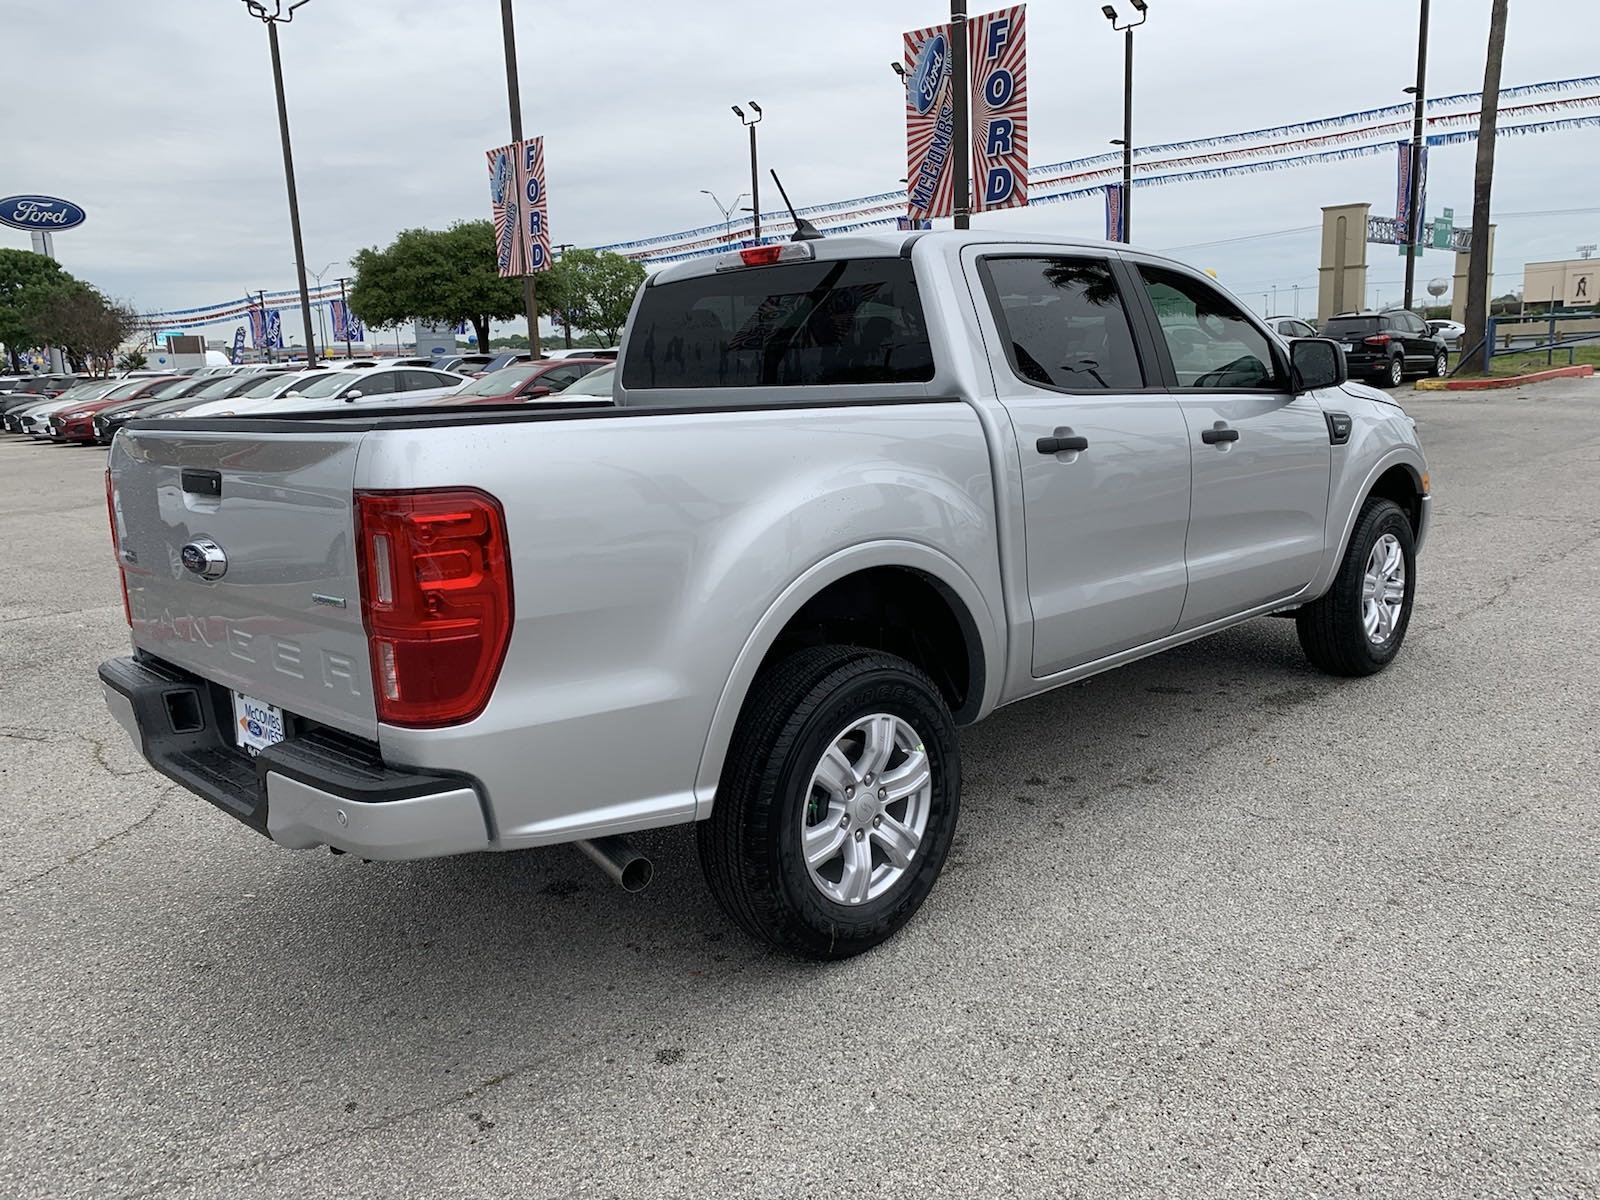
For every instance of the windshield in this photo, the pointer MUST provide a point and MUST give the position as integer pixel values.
(500, 382)
(316, 389)
(270, 386)
(219, 389)
(123, 391)
(168, 391)
(596, 383)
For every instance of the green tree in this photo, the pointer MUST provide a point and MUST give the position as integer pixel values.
(560, 290)
(134, 360)
(84, 324)
(606, 284)
(445, 276)
(26, 281)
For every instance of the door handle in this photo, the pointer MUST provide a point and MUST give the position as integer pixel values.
(1056, 445)
(1218, 433)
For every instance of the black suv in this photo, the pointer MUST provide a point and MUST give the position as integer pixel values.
(1389, 345)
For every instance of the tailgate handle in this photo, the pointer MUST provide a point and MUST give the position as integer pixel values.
(201, 483)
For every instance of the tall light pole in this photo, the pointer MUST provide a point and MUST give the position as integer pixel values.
(727, 210)
(271, 17)
(1413, 217)
(322, 324)
(530, 299)
(1126, 29)
(750, 123)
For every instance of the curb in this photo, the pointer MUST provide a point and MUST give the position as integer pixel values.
(1479, 385)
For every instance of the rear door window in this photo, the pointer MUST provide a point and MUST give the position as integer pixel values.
(1063, 323)
(1350, 327)
(849, 321)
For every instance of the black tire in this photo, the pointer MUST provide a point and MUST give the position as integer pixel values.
(1441, 365)
(1396, 374)
(750, 846)
(1331, 629)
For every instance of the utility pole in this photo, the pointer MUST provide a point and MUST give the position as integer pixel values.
(1413, 217)
(530, 299)
(1143, 9)
(1483, 186)
(750, 123)
(961, 83)
(258, 10)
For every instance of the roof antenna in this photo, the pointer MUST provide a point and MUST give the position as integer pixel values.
(804, 230)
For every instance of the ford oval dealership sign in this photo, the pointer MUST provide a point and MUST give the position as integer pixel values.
(40, 213)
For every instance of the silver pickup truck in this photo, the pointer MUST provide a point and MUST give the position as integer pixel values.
(850, 495)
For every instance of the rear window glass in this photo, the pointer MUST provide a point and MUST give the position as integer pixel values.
(796, 325)
(1343, 326)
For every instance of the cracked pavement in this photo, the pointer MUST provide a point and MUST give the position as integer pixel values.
(1213, 925)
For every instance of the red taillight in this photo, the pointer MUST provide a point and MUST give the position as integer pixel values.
(435, 600)
(116, 548)
(761, 256)
(1378, 339)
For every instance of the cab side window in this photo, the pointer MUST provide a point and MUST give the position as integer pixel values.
(1063, 322)
(1212, 343)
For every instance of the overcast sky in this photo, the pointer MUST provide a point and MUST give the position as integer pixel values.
(157, 117)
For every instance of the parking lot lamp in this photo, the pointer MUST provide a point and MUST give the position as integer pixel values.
(1126, 29)
(750, 123)
(270, 16)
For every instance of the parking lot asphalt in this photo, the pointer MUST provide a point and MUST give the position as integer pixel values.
(1214, 925)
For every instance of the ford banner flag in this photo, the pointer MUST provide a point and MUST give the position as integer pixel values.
(274, 326)
(347, 327)
(237, 356)
(998, 53)
(517, 203)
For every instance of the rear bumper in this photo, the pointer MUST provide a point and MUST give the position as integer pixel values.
(317, 787)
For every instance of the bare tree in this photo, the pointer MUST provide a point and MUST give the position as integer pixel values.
(1483, 185)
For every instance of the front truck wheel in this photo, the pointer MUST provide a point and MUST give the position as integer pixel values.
(837, 803)
(1358, 626)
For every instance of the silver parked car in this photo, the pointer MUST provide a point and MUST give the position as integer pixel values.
(852, 495)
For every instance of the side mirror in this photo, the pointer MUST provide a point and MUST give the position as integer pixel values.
(1316, 363)
(349, 396)
(535, 392)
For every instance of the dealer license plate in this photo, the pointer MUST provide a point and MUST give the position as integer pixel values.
(1346, 347)
(256, 725)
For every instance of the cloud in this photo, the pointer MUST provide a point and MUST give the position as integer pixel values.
(165, 129)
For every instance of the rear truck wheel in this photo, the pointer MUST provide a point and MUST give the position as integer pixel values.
(837, 804)
(1441, 365)
(1397, 371)
(1358, 626)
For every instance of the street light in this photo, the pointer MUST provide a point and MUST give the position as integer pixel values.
(727, 210)
(750, 123)
(271, 17)
(1117, 25)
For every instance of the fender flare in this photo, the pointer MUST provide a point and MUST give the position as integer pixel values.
(935, 564)
(1400, 456)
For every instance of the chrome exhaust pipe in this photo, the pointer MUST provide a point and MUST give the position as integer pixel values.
(616, 856)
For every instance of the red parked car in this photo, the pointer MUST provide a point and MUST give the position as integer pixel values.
(76, 424)
(525, 381)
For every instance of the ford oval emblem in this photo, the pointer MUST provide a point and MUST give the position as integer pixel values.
(41, 213)
(928, 72)
(204, 558)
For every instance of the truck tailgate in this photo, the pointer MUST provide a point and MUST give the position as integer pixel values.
(268, 603)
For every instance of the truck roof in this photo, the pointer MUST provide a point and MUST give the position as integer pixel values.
(892, 243)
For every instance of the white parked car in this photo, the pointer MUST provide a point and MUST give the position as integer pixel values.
(269, 388)
(1450, 331)
(1290, 327)
(331, 389)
